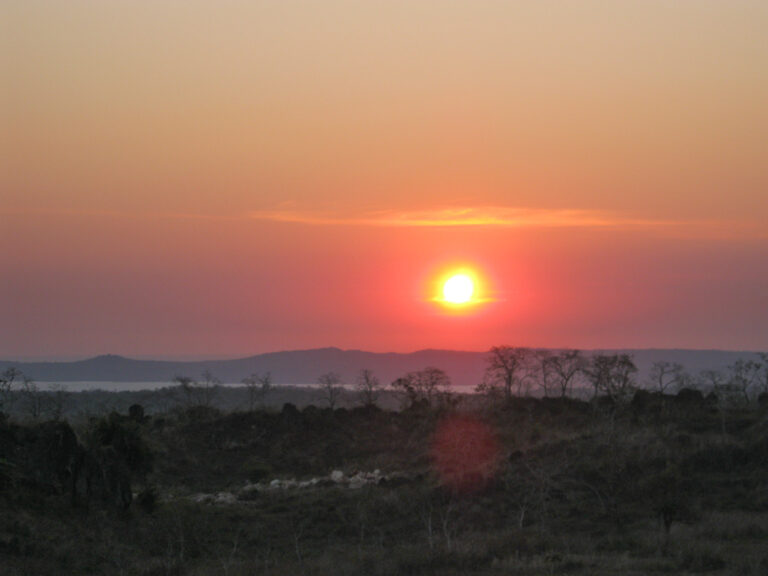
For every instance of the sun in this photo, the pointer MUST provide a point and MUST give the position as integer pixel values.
(458, 289)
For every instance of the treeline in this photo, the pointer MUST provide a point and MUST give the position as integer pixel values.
(510, 372)
(519, 476)
(96, 463)
(517, 372)
(520, 371)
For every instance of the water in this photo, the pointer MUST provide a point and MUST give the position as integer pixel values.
(111, 386)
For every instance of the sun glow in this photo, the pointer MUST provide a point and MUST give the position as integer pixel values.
(458, 289)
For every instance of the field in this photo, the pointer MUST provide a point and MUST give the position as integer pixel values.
(658, 484)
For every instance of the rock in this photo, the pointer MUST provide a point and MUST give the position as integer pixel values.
(249, 488)
(225, 498)
(337, 476)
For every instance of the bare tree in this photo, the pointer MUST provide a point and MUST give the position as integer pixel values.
(743, 375)
(711, 379)
(200, 393)
(665, 375)
(8, 382)
(34, 398)
(258, 385)
(330, 388)
(623, 381)
(168, 397)
(563, 370)
(599, 372)
(227, 558)
(508, 368)
(445, 512)
(427, 385)
(187, 385)
(612, 375)
(58, 398)
(368, 387)
(435, 506)
(210, 388)
(764, 363)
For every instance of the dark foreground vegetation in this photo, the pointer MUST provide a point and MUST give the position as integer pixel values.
(630, 481)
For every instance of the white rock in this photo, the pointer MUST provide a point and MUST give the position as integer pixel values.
(225, 498)
(337, 476)
(248, 488)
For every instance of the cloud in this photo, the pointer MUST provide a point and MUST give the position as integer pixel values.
(458, 217)
(485, 216)
(523, 218)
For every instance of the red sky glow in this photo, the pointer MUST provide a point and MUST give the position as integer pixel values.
(199, 178)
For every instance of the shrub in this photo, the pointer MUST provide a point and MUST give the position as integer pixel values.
(256, 469)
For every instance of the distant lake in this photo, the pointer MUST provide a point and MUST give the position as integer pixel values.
(107, 386)
(110, 386)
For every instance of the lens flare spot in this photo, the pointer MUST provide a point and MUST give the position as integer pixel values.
(465, 453)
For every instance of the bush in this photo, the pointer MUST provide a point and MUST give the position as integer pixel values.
(147, 499)
(256, 469)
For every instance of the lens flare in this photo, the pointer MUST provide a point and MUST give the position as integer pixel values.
(465, 453)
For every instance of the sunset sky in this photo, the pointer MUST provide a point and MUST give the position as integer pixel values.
(189, 178)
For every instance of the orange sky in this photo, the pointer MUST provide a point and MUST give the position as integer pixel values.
(184, 178)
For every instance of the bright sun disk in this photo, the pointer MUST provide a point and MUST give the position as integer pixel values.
(458, 289)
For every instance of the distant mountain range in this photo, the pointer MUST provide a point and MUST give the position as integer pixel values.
(304, 366)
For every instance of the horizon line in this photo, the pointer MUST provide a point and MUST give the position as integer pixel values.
(228, 358)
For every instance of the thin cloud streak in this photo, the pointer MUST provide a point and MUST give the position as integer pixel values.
(487, 216)
(521, 218)
(457, 217)
(133, 214)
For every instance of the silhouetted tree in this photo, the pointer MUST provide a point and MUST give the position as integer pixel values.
(423, 386)
(9, 379)
(34, 399)
(200, 393)
(330, 388)
(743, 375)
(116, 454)
(508, 368)
(58, 396)
(710, 379)
(258, 385)
(764, 364)
(561, 371)
(51, 456)
(136, 413)
(368, 387)
(665, 375)
(612, 375)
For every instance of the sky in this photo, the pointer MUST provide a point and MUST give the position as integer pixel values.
(189, 178)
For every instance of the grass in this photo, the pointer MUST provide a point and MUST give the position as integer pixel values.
(588, 491)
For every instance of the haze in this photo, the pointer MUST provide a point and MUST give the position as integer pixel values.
(198, 178)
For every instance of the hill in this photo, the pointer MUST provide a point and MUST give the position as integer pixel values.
(304, 366)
